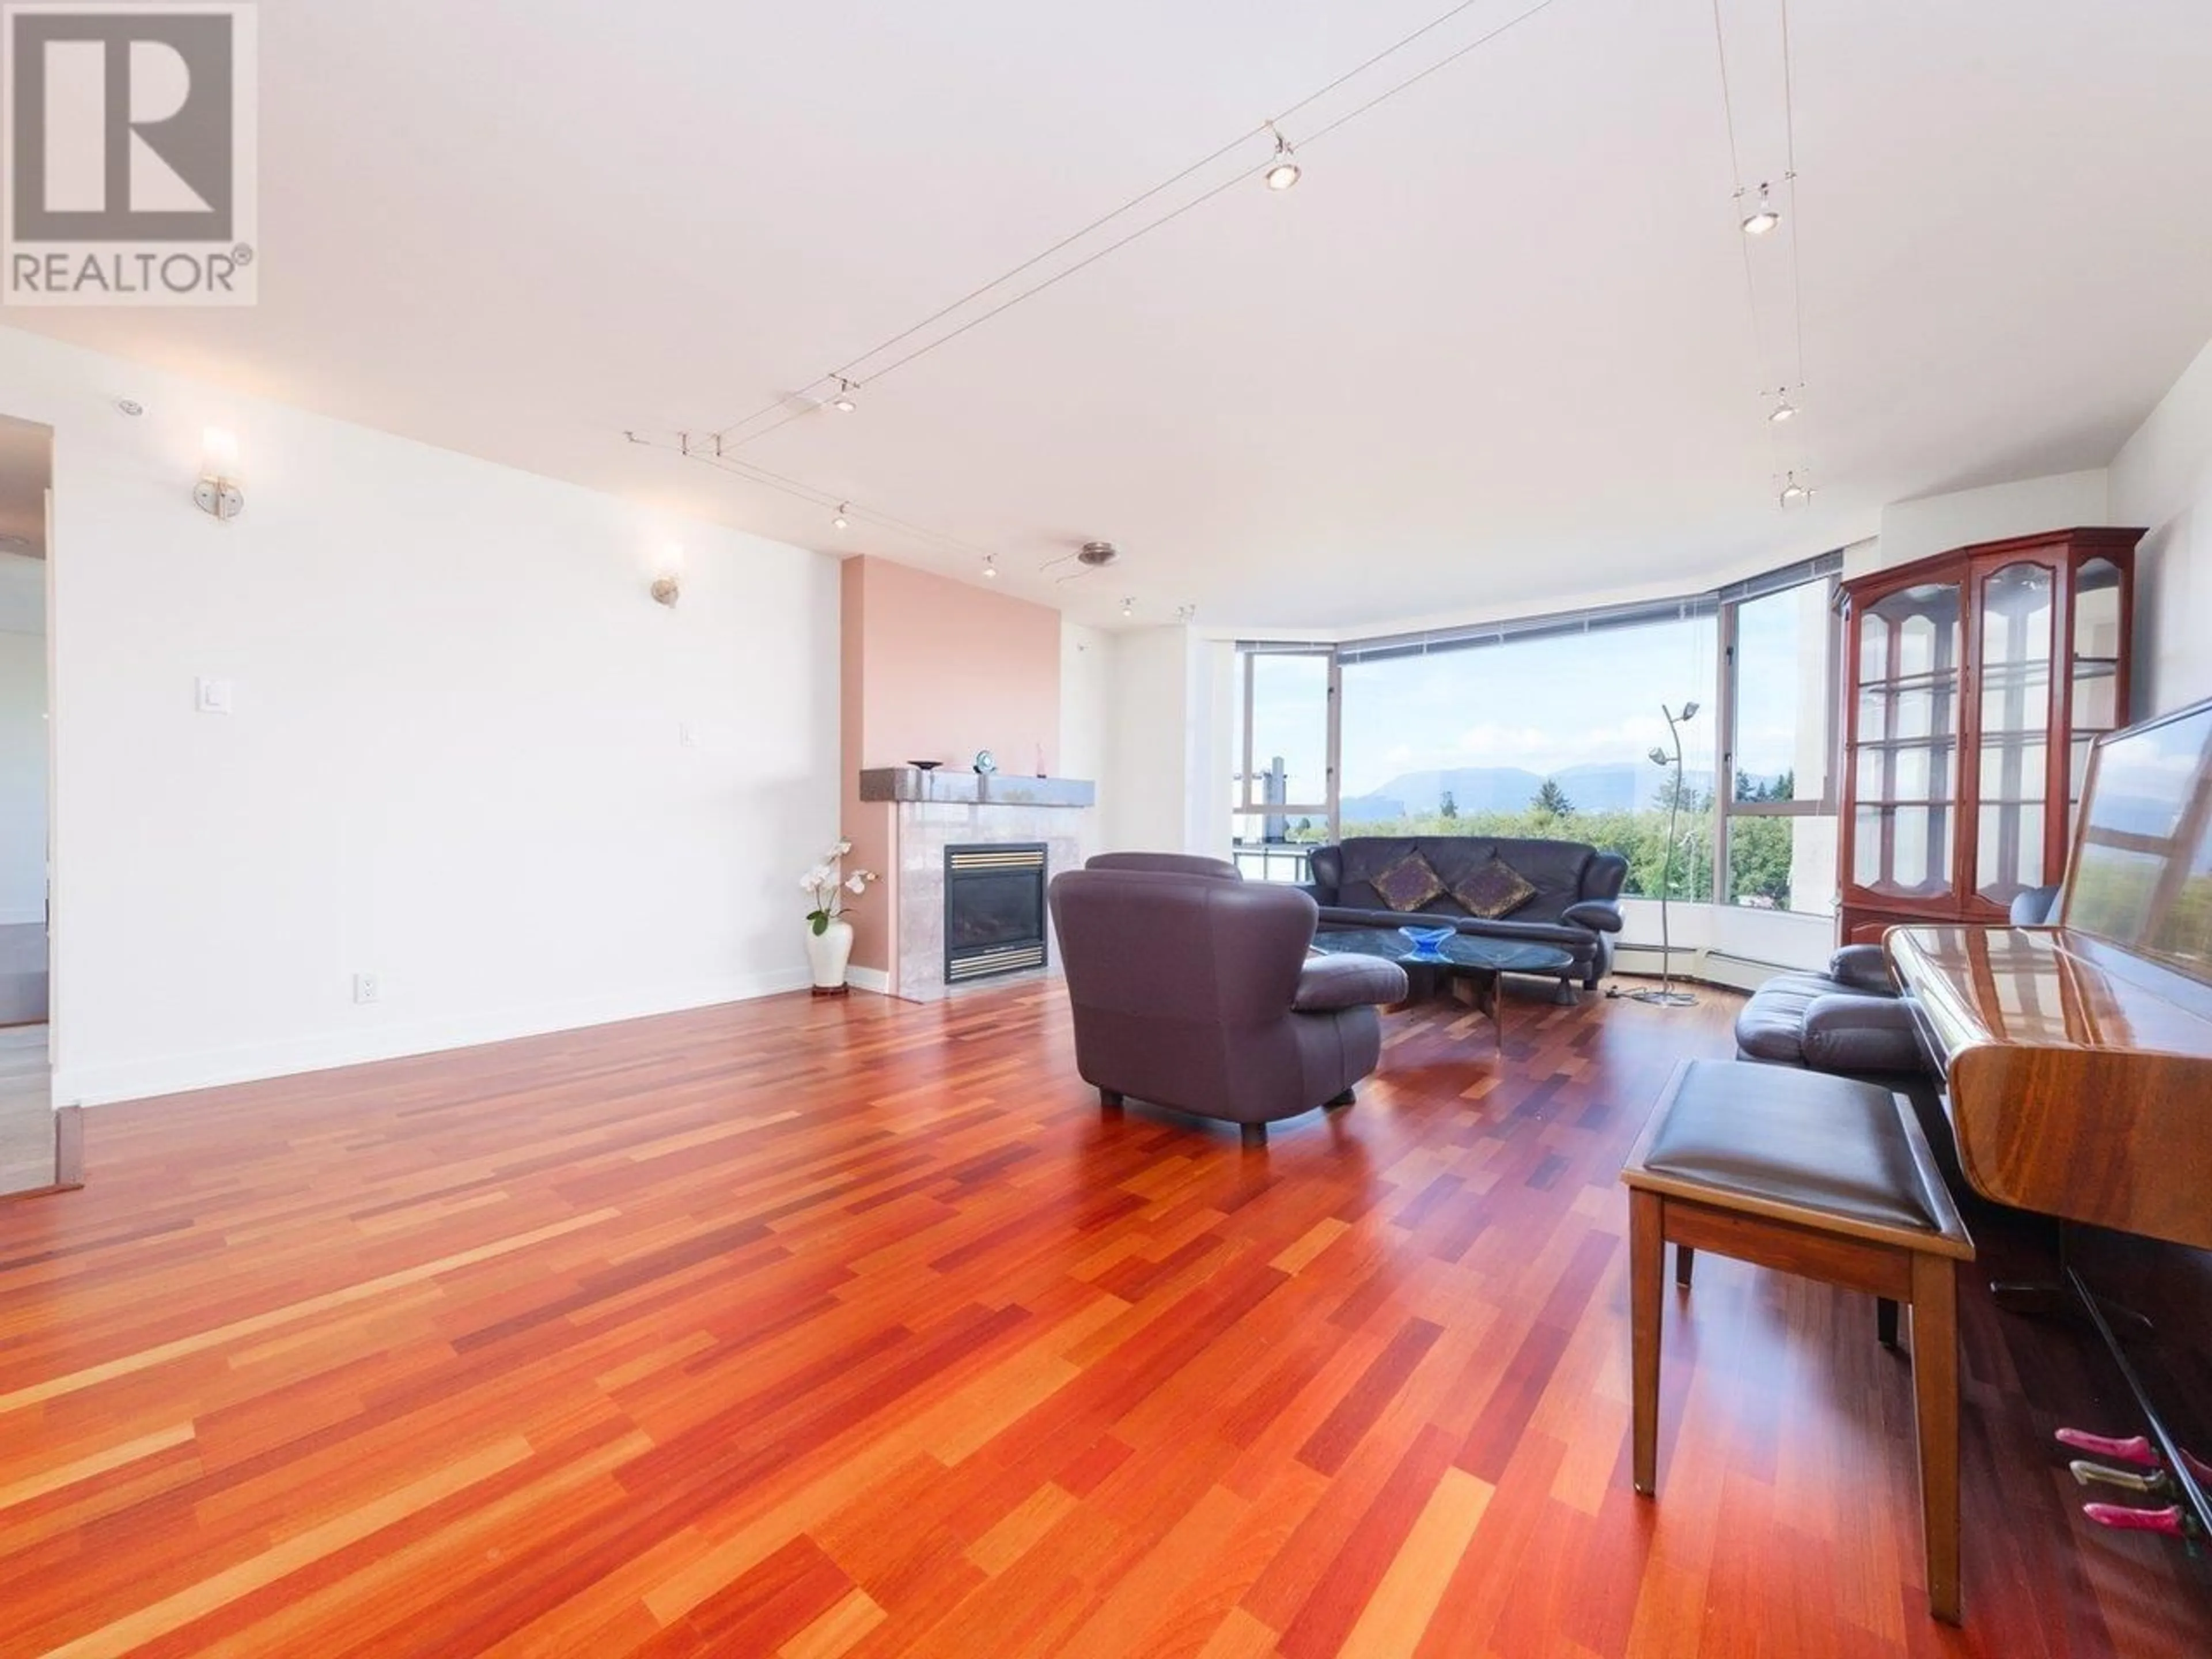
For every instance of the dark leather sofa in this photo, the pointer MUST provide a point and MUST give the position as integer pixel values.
(1191, 988)
(1576, 906)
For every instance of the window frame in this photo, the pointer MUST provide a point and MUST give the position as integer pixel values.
(1827, 571)
(1244, 807)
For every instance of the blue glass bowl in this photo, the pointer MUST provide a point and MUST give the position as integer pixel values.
(1427, 943)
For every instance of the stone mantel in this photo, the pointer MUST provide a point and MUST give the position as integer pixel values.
(911, 783)
(921, 831)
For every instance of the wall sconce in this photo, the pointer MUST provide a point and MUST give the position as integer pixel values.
(219, 492)
(668, 586)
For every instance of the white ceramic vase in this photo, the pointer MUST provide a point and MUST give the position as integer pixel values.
(828, 952)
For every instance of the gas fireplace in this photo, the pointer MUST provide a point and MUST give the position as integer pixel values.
(994, 910)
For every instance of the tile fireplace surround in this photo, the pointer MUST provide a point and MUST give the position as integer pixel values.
(932, 810)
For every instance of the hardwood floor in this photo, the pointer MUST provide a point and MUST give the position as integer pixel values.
(810, 1328)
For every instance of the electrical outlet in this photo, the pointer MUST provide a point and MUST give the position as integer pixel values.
(366, 988)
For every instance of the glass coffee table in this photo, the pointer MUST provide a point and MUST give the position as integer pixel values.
(1468, 960)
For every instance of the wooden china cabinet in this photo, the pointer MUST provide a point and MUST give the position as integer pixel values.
(1974, 681)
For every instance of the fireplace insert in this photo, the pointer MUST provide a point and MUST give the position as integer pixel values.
(994, 910)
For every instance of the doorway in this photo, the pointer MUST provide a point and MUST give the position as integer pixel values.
(27, 1140)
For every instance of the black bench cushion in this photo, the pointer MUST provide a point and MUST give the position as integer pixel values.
(1806, 1138)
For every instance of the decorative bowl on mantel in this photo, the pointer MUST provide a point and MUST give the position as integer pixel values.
(924, 766)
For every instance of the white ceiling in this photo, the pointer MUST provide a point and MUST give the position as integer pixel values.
(1494, 350)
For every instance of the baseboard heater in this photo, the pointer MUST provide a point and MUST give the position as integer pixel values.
(1707, 967)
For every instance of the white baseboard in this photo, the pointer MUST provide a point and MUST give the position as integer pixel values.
(169, 1074)
(1741, 973)
(878, 979)
(1649, 958)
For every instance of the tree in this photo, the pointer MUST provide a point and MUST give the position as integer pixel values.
(1784, 787)
(1759, 852)
(1552, 801)
(1448, 807)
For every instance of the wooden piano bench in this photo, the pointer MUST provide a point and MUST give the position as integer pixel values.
(1821, 1175)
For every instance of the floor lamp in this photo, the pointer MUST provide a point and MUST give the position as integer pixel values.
(1667, 996)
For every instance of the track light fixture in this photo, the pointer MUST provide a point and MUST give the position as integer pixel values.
(1784, 410)
(1793, 492)
(840, 522)
(1283, 171)
(842, 403)
(1763, 218)
(1129, 607)
(990, 567)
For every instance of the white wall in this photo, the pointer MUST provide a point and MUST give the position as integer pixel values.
(2162, 479)
(459, 758)
(1145, 789)
(1086, 706)
(23, 740)
(1210, 744)
(1936, 524)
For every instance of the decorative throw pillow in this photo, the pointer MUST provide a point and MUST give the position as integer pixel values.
(1409, 884)
(1494, 890)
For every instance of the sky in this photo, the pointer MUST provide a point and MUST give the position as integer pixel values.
(1546, 704)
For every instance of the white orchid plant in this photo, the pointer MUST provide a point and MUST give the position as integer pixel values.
(827, 884)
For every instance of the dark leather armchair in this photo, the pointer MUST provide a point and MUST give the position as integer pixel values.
(1192, 989)
(1182, 864)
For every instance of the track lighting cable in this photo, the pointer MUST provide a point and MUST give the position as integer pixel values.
(846, 380)
(1789, 161)
(799, 489)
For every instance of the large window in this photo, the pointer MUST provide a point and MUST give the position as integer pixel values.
(1546, 730)
(1548, 726)
(1778, 649)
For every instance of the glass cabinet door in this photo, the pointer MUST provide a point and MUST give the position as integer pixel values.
(2096, 668)
(1905, 751)
(2014, 609)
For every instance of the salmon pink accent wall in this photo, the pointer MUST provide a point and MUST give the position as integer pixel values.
(934, 670)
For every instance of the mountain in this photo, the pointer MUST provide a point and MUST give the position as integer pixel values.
(1596, 786)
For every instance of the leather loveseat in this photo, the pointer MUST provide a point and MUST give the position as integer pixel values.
(1192, 988)
(1849, 1020)
(1576, 905)
(1852, 1021)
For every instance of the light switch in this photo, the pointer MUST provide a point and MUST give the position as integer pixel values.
(214, 695)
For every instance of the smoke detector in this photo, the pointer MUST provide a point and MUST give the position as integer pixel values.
(1098, 554)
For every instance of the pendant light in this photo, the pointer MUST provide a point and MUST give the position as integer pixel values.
(1762, 219)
